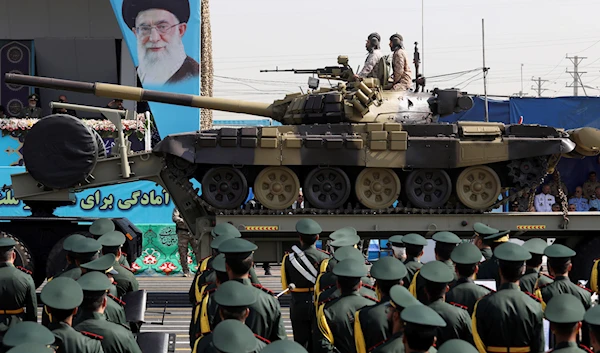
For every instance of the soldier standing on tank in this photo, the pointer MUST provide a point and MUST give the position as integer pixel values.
(112, 242)
(300, 267)
(533, 277)
(402, 75)
(481, 231)
(466, 292)
(371, 66)
(565, 314)
(414, 251)
(185, 238)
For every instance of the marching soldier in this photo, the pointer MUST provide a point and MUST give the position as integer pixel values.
(509, 319)
(69, 254)
(31, 348)
(592, 318)
(115, 338)
(185, 238)
(27, 331)
(335, 316)
(103, 264)
(286, 346)
(533, 277)
(301, 268)
(489, 268)
(398, 247)
(347, 237)
(102, 226)
(466, 292)
(565, 314)
(62, 297)
(370, 323)
(112, 243)
(232, 336)
(457, 346)
(414, 251)
(481, 231)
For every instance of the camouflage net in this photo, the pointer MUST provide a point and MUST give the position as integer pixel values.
(206, 63)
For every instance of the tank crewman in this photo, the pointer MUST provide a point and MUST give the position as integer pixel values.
(466, 292)
(414, 251)
(102, 226)
(112, 243)
(115, 338)
(402, 75)
(27, 331)
(233, 299)
(437, 276)
(481, 231)
(489, 268)
(398, 247)
(565, 314)
(420, 325)
(232, 336)
(371, 66)
(185, 238)
(370, 323)
(300, 267)
(592, 319)
(533, 277)
(457, 346)
(445, 242)
(287, 346)
(509, 319)
(62, 298)
(335, 316)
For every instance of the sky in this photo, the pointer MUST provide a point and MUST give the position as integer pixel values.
(264, 34)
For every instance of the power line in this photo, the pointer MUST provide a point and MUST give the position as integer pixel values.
(539, 82)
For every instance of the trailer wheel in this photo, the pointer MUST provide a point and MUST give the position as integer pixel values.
(24, 257)
(587, 252)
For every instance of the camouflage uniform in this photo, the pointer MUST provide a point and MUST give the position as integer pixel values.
(589, 189)
(402, 72)
(554, 190)
(185, 237)
(371, 66)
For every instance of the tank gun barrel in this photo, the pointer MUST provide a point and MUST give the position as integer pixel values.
(112, 91)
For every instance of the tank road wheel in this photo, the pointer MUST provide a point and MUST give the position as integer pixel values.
(478, 187)
(377, 188)
(428, 188)
(180, 166)
(276, 188)
(327, 188)
(224, 187)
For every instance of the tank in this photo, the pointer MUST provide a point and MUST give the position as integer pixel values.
(355, 147)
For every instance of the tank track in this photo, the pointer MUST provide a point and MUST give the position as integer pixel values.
(450, 208)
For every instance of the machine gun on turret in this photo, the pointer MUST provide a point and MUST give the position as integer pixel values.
(343, 72)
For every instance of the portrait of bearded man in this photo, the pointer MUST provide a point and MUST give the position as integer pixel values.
(159, 26)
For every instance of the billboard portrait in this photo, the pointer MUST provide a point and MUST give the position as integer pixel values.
(163, 38)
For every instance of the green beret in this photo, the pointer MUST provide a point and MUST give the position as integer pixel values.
(31, 348)
(27, 331)
(112, 239)
(592, 316)
(342, 232)
(350, 239)
(308, 226)
(564, 309)
(511, 252)
(233, 336)
(225, 228)
(484, 230)
(414, 239)
(438, 272)
(103, 264)
(284, 346)
(535, 246)
(237, 247)
(348, 252)
(447, 237)
(216, 242)
(559, 251)
(401, 297)
(7, 242)
(500, 237)
(86, 245)
(422, 315)
(62, 293)
(388, 268)
(466, 254)
(70, 240)
(457, 346)
(234, 293)
(94, 282)
(102, 226)
(396, 240)
(218, 264)
(350, 268)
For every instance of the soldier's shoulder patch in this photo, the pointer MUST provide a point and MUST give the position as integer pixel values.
(324, 251)
(92, 335)
(533, 296)
(458, 305)
(486, 287)
(585, 348)
(119, 301)
(210, 291)
(23, 269)
(544, 285)
(262, 339)
(327, 300)
(327, 287)
(369, 286)
(377, 345)
(371, 298)
(547, 275)
(263, 288)
(583, 287)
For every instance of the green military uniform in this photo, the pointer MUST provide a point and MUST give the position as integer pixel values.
(335, 317)
(102, 226)
(489, 268)
(533, 278)
(286, 346)
(592, 318)
(115, 337)
(66, 294)
(31, 112)
(398, 247)
(482, 230)
(370, 323)
(232, 336)
(566, 309)
(68, 248)
(27, 331)
(31, 348)
(336, 242)
(509, 319)
(457, 346)
(125, 280)
(300, 267)
(413, 264)
(466, 292)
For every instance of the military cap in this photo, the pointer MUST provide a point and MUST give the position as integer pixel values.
(535, 246)
(348, 252)
(388, 268)
(422, 315)
(396, 240)
(342, 232)
(62, 293)
(7, 242)
(224, 229)
(284, 346)
(401, 297)
(466, 254)
(374, 35)
(457, 346)
(94, 282)
(34, 97)
(592, 316)
(350, 268)
(446, 237)
(558, 251)
(85, 245)
(308, 226)
(438, 272)
(216, 242)
(131, 9)
(233, 336)
(233, 293)
(112, 239)
(102, 226)
(511, 252)
(104, 264)
(500, 237)
(218, 264)
(484, 230)
(349, 239)
(27, 331)
(564, 309)
(31, 348)
(414, 239)
(70, 240)
(237, 247)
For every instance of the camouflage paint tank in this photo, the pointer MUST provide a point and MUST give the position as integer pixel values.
(353, 148)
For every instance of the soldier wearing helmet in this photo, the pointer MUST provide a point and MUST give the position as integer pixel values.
(402, 79)
(371, 66)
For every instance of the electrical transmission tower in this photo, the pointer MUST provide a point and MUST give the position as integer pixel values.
(538, 85)
(576, 74)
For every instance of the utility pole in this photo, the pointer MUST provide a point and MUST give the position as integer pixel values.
(485, 70)
(521, 92)
(423, 38)
(576, 74)
(539, 82)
